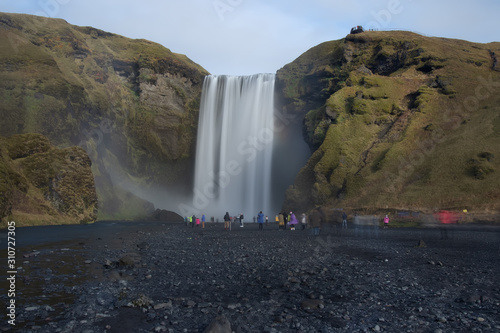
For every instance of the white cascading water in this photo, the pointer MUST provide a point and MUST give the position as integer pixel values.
(234, 147)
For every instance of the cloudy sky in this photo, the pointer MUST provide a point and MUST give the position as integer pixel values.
(243, 37)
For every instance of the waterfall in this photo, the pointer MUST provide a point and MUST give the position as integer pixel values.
(235, 146)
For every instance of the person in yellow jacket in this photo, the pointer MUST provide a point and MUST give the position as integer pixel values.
(281, 221)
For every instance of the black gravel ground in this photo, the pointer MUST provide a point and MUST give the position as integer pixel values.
(160, 277)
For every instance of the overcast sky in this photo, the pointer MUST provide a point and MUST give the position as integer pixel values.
(243, 37)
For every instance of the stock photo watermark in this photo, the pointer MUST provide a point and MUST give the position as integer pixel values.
(383, 17)
(11, 272)
(223, 7)
(95, 135)
(47, 9)
(50, 8)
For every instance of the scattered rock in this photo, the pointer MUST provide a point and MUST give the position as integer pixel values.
(31, 308)
(142, 301)
(143, 245)
(219, 325)
(421, 243)
(32, 254)
(163, 306)
(129, 259)
(251, 281)
(312, 304)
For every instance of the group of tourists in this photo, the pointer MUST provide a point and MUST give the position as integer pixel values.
(316, 218)
(192, 221)
(289, 219)
(285, 221)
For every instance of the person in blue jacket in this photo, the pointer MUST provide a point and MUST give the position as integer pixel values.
(260, 219)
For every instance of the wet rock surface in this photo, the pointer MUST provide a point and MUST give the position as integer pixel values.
(171, 278)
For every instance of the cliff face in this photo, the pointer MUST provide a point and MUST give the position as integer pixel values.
(131, 104)
(396, 120)
(42, 184)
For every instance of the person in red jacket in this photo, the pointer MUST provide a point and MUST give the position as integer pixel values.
(445, 219)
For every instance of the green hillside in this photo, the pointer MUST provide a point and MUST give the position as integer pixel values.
(396, 120)
(131, 104)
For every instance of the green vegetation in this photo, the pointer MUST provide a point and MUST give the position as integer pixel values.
(41, 184)
(397, 121)
(82, 86)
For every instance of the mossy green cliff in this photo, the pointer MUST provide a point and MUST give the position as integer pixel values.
(131, 104)
(396, 120)
(41, 184)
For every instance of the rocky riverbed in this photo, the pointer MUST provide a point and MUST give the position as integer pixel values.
(162, 277)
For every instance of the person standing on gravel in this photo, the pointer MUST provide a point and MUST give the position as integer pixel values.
(344, 220)
(227, 220)
(386, 221)
(260, 219)
(315, 219)
(445, 218)
(293, 221)
(281, 221)
(303, 221)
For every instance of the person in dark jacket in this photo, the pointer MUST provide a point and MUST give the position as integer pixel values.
(315, 221)
(344, 220)
(227, 221)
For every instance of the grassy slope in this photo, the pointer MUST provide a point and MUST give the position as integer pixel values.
(66, 82)
(420, 133)
(42, 184)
